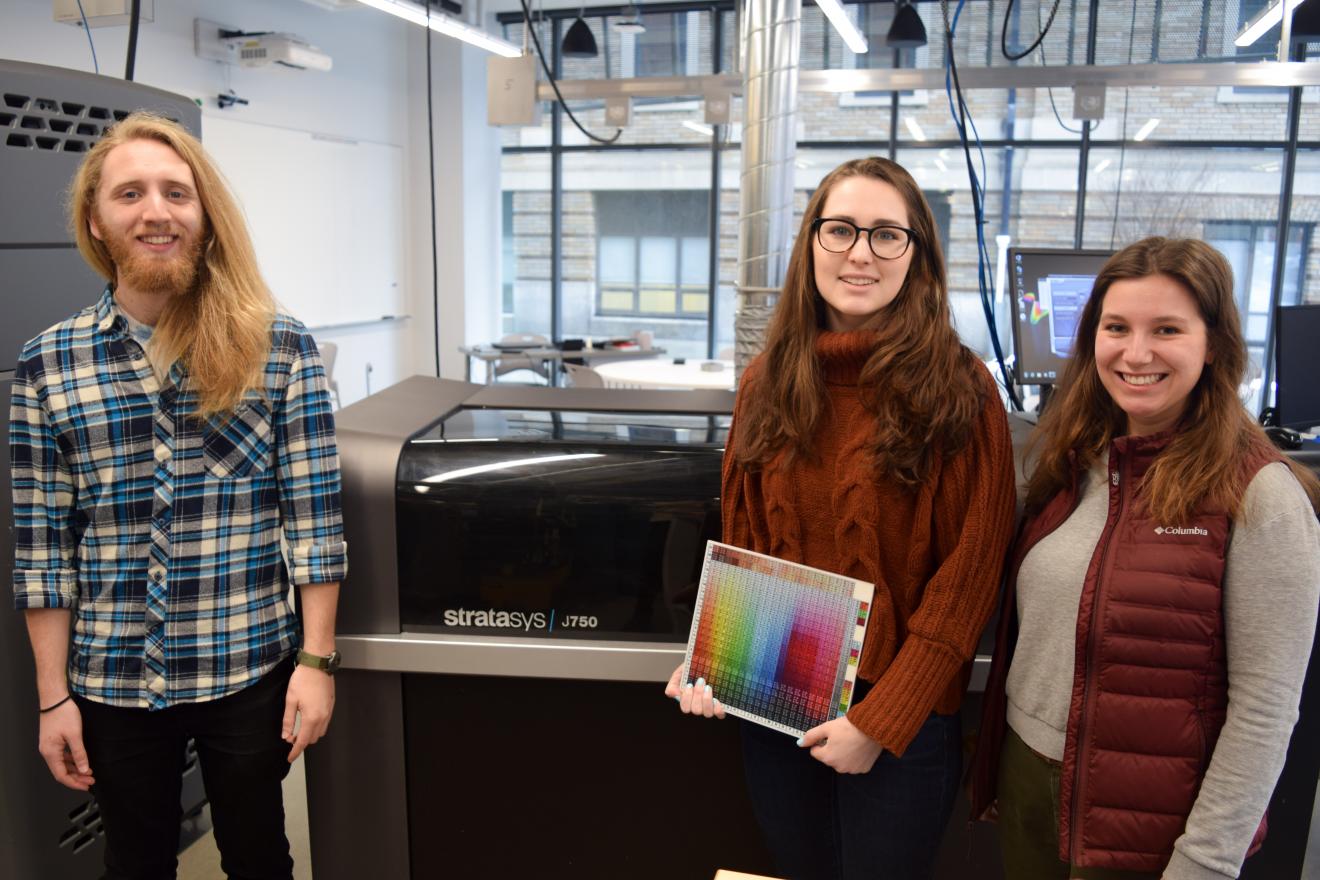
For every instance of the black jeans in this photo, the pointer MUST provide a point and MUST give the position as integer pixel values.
(137, 757)
(882, 825)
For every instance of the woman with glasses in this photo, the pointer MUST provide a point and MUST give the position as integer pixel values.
(1162, 597)
(868, 441)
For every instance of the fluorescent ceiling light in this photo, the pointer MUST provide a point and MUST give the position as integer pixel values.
(1146, 129)
(843, 25)
(914, 127)
(698, 127)
(443, 24)
(1102, 166)
(1264, 20)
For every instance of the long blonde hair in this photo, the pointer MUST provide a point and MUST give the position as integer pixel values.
(920, 382)
(221, 328)
(1203, 463)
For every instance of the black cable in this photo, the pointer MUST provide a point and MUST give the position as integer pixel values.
(86, 27)
(1050, 91)
(536, 41)
(985, 283)
(1003, 34)
(134, 19)
(430, 145)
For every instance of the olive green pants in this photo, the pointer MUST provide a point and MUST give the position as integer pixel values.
(1029, 819)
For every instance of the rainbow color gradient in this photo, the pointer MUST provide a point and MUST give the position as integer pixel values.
(1037, 313)
(777, 642)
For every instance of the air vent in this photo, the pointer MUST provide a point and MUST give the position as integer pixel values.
(60, 125)
(85, 826)
(121, 115)
(255, 54)
(72, 109)
(47, 105)
(7, 119)
(36, 123)
(86, 128)
(98, 113)
(18, 140)
(75, 146)
(18, 102)
(48, 143)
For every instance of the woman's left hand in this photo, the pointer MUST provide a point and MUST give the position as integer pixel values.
(842, 747)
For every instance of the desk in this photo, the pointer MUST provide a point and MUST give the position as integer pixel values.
(664, 373)
(490, 355)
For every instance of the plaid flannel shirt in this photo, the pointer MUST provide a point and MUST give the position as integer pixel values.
(161, 532)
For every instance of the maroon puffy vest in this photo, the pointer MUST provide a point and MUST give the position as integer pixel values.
(1150, 686)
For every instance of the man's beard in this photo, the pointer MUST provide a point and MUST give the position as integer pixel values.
(148, 274)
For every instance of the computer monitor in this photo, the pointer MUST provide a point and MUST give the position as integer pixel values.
(1050, 287)
(1297, 365)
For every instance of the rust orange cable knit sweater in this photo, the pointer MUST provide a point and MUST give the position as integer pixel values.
(934, 553)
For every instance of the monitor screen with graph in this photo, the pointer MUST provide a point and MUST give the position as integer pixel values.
(1049, 287)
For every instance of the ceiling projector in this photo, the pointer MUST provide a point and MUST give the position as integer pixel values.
(261, 50)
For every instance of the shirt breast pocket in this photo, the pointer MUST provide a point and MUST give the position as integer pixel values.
(239, 446)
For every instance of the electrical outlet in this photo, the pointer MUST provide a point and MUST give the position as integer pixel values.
(207, 42)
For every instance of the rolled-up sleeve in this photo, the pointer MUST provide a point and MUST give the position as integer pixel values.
(45, 514)
(307, 461)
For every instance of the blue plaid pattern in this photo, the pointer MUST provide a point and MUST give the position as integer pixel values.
(162, 532)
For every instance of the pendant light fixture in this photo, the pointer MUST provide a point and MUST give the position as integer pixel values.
(907, 30)
(631, 21)
(579, 42)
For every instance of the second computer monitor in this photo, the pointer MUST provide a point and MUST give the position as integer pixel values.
(1050, 287)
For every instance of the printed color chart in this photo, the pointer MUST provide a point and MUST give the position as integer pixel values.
(777, 642)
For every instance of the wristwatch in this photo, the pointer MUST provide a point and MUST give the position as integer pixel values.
(328, 664)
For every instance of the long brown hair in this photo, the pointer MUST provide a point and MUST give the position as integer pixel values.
(221, 329)
(1202, 465)
(920, 382)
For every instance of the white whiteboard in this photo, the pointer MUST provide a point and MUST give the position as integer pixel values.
(326, 215)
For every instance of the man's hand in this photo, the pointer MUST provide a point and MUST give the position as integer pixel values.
(311, 695)
(60, 742)
(841, 746)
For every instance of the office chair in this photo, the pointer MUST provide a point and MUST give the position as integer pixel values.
(515, 360)
(583, 377)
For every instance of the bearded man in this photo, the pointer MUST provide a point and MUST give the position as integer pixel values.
(164, 442)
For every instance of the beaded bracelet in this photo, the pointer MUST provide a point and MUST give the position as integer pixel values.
(56, 705)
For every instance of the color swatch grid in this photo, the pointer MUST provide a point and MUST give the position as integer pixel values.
(777, 642)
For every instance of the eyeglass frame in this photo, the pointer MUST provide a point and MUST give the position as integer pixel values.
(857, 233)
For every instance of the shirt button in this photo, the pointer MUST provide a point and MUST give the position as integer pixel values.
(157, 576)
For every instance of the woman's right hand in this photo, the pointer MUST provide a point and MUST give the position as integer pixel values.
(694, 698)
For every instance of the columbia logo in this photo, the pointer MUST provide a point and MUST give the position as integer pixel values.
(1180, 530)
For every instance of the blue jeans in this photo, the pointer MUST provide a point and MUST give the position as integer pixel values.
(882, 825)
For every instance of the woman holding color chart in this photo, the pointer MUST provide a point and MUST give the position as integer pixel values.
(868, 441)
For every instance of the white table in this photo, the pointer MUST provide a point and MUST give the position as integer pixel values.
(664, 373)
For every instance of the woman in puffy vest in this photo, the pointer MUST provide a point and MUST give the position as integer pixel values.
(868, 441)
(1161, 598)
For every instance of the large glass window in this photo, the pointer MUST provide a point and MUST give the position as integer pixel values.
(639, 248)
(638, 258)
(525, 182)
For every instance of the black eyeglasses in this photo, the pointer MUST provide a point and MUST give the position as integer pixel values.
(838, 236)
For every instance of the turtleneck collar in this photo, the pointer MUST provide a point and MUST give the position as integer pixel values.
(842, 355)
